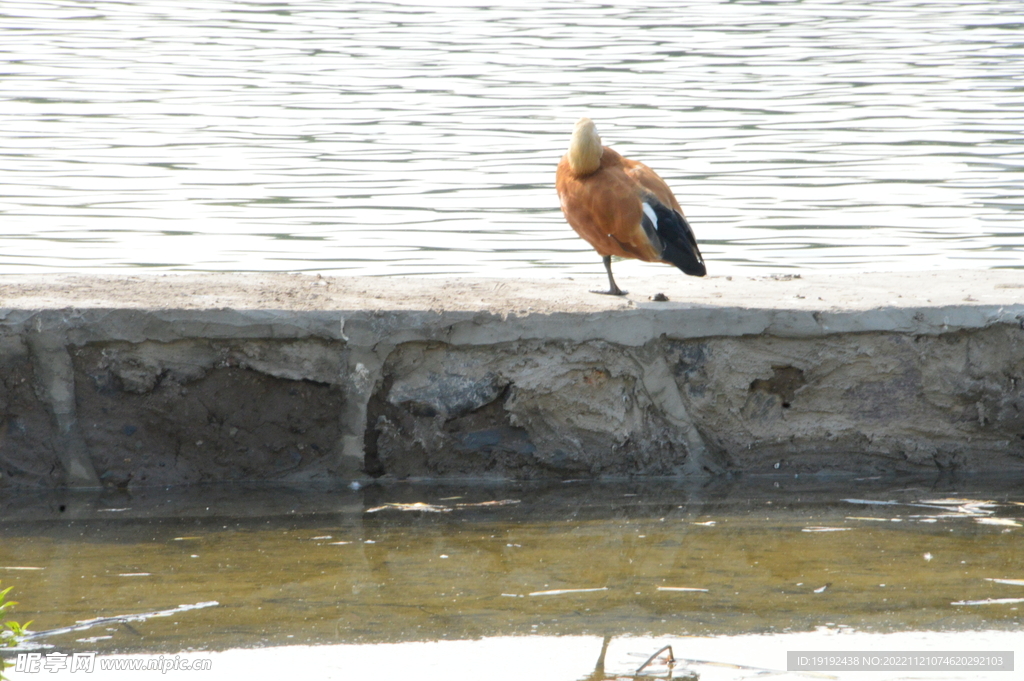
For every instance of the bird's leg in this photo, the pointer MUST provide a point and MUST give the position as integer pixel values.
(613, 289)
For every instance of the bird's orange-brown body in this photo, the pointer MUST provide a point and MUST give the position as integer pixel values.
(605, 207)
(621, 207)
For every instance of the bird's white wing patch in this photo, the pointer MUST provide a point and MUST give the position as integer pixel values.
(651, 215)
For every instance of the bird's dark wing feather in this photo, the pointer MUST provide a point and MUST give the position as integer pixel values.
(670, 230)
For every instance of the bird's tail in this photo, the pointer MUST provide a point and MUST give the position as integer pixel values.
(678, 244)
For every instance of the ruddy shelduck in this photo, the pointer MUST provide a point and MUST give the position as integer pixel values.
(622, 208)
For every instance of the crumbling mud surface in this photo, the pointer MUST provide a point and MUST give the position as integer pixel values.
(529, 409)
(307, 379)
(864, 403)
(877, 402)
(195, 411)
(28, 442)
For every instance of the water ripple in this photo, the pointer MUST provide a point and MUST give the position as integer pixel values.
(417, 138)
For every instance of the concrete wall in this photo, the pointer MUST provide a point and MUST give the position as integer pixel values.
(169, 380)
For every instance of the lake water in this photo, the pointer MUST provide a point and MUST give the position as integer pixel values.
(513, 581)
(421, 137)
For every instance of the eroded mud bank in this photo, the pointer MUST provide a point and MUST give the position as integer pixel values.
(94, 393)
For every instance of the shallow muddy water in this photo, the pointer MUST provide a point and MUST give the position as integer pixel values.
(378, 573)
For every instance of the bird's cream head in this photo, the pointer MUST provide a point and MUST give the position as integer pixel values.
(584, 148)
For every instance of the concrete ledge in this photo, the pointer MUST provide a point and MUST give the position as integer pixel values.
(194, 378)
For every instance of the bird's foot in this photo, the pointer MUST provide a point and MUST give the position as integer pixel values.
(613, 292)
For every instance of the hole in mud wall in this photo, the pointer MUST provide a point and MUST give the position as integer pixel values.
(785, 381)
(147, 425)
